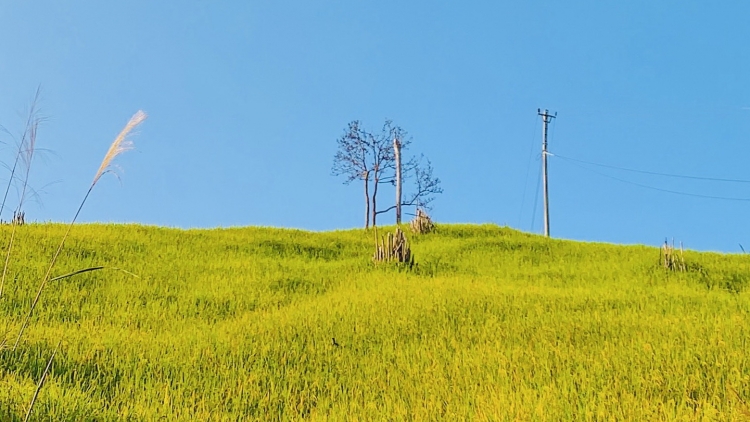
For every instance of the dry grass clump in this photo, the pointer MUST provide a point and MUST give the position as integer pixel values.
(394, 247)
(19, 218)
(671, 259)
(422, 223)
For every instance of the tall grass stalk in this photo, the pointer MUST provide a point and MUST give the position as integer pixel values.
(25, 154)
(41, 383)
(120, 145)
(32, 116)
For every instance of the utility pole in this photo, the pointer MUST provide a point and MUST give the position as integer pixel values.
(397, 155)
(546, 118)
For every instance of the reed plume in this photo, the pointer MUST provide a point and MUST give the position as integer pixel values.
(120, 145)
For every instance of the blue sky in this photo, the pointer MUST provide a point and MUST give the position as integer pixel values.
(246, 100)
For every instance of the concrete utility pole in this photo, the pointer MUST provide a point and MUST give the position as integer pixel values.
(546, 118)
(397, 155)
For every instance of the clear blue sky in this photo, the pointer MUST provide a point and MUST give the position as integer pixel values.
(247, 98)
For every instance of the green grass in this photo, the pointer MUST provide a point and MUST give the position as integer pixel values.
(493, 324)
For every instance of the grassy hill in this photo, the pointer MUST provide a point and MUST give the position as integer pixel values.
(492, 324)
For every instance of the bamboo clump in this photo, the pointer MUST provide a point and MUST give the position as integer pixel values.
(393, 247)
(422, 223)
(672, 259)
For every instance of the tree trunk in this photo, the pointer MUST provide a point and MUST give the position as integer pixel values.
(367, 199)
(397, 151)
(374, 196)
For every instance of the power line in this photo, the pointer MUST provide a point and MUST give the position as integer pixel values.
(681, 176)
(528, 168)
(724, 198)
(536, 198)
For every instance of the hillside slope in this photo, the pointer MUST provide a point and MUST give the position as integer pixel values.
(492, 324)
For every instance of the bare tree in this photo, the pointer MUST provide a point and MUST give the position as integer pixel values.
(364, 156)
(385, 158)
(377, 158)
(352, 160)
(425, 185)
(418, 170)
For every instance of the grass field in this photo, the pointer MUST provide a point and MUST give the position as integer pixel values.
(492, 324)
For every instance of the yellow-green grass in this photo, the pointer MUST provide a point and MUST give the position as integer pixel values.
(493, 324)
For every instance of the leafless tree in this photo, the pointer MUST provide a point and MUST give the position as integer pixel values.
(362, 155)
(352, 160)
(424, 185)
(385, 155)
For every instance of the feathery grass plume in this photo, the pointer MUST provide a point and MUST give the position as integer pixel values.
(120, 145)
(25, 155)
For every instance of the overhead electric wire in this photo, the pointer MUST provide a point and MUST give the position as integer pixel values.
(528, 168)
(536, 198)
(681, 176)
(696, 195)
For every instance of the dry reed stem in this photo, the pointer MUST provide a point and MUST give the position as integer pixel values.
(26, 150)
(743, 407)
(31, 117)
(120, 145)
